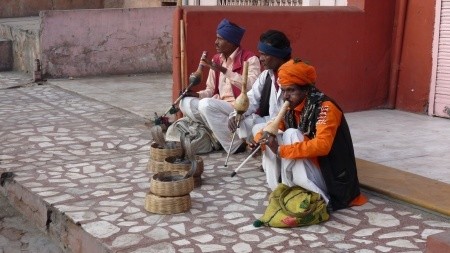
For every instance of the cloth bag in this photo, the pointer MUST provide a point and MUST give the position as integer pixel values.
(202, 139)
(293, 207)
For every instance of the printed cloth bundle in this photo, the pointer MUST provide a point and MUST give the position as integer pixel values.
(293, 207)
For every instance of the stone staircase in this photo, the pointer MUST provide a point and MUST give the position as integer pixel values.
(19, 44)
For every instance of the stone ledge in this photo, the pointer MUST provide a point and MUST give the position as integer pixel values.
(418, 190)
(438, 243)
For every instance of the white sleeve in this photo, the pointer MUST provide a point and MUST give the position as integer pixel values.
(254, 95)
(254, 69)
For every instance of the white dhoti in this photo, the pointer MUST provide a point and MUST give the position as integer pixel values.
(214, 114)
(301, 172)
(189, 108)
(250, 126)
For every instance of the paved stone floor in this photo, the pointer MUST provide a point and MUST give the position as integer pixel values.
(80, 173)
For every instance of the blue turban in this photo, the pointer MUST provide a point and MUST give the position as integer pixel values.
(273, 51)
(230, 32)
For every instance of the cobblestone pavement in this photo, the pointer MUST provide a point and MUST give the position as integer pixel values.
(84, 163)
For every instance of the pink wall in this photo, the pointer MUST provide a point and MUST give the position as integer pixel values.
(22, 8)
(350, 47)
(106, 41)
(416, 59)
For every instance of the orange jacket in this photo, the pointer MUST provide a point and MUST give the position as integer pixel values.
(327, 125)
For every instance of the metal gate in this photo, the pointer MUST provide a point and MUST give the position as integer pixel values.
(440, 83)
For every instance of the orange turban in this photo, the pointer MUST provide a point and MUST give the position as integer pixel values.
(296, 72)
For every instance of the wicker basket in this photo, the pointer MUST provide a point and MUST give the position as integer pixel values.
(197, 181)
(155, 166)
(171, 184)
(159, 154)
(167, 205)
(170, 165)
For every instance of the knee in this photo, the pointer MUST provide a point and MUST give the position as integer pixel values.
(293, 134)
(257, 127)
(183, 104)
(290, 131)
(203, 105)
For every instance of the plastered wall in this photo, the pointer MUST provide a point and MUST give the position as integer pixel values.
(106, 41)
(414, 77)
(23, 8)
(349, 46)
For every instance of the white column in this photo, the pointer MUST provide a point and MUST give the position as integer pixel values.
(311, 2)
(341, 2)
(327, 2)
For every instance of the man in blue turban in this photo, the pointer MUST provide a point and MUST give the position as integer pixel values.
(265, 99)
(213, 105)
(230, 32)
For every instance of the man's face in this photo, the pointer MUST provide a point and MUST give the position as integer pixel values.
(294, 93)
(269, 61)
(223, 46)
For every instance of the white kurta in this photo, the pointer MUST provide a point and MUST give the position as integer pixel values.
(253, 122)
(213, 111)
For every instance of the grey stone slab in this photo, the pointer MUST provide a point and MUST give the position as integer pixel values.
(94, 194)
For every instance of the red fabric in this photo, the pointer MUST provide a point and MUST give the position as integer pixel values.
(241, 56)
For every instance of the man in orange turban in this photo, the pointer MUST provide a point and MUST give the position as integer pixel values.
(296, 72)
(315, 150)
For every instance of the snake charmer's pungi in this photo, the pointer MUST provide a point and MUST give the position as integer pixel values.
(213, 105)
(315, 151)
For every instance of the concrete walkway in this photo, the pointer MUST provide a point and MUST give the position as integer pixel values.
(79, 162)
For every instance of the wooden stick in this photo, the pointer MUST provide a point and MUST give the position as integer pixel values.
(245, 161)
(182, 55)
(270, 128)
(232, 140)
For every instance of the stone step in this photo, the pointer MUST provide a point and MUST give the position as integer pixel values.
(411, 188)
(24, 36)
(438, 243)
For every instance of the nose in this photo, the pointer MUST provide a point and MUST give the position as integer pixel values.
(262, 58)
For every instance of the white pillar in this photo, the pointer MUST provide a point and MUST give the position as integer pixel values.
(311, 2)
(327, 2)
(341, 2)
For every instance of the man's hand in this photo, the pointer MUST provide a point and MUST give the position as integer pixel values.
(190, 93)
(232, 124)
(272, 143)
(254, 145)
(269, 140)
(210, 64)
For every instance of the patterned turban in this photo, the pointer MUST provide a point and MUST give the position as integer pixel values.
(296, 72)
(230, 32)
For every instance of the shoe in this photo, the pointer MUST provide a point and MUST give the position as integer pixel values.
(241, 148)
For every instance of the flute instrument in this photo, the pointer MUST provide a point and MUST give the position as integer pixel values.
(194, 79)
(241, 105)
(270, 128)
